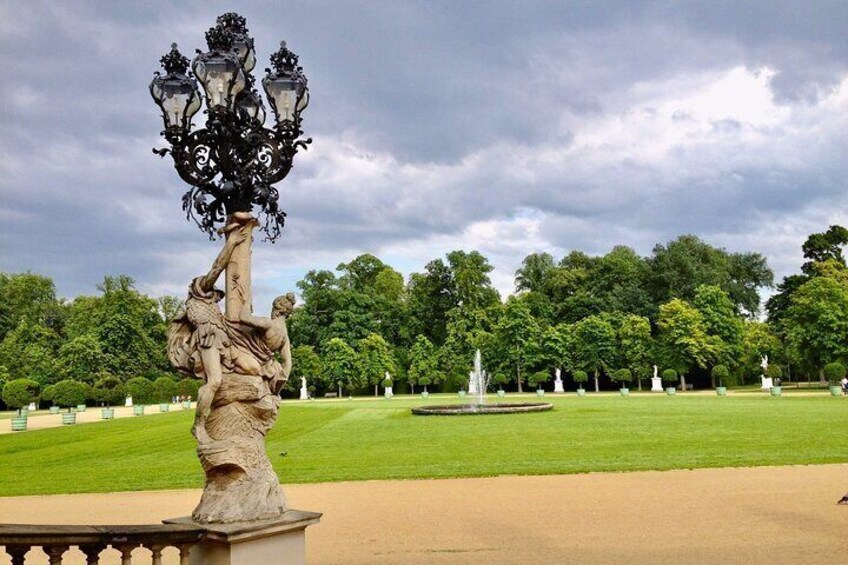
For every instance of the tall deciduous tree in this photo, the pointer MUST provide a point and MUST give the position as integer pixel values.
(683, 339)
(635, 346)
(423, 362)
(817, 320)
(306, 363)
(722, 322)
(375, 359)
(517, 336)
(340, 364)
(594, 343)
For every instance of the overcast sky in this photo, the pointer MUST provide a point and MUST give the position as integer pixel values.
(507, 127)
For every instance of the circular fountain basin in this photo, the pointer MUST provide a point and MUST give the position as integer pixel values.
(474, 409)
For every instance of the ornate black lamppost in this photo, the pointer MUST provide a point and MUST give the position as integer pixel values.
(232, 163)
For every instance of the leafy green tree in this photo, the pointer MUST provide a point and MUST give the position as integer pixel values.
(432, 295)
(169, 307)
(817, 320)
(340, 364)
(30, 297)
(499, 379)
(623, 377)
(758, 341)
(69, 394)
(722, 323)
(164, 389)
(517, 337)
(375, 359)
(307, 363)
(774, 372)
(833, 372)
(19, 393)
(534, 273)
(594, 343)
(109, 390)
(580, 377)
(46, 394)
(669, 376)
(29, 351)
(539, 378)
(188, 387)
(81, 359)
(683, 339)
(635, 346)
(556, 346)
(424, 381)
(423, 361)
(471, 282)
(141, 390)
(721, 373)
(686, 263)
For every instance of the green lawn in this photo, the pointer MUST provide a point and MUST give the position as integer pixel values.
(380, 439)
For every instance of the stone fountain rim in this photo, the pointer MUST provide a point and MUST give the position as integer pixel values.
(479, 410)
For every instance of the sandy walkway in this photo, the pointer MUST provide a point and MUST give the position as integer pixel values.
(774, 515)
(44, 419)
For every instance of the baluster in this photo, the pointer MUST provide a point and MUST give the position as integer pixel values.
(92, 553)
(184, 551)
(18, 553)
(126, 554)
(55, 552)
(157, 553)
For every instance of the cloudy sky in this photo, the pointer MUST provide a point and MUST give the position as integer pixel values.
(506, 127)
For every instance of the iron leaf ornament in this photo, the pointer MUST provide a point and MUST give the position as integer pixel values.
(231, 164)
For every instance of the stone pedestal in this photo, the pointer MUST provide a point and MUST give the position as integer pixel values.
(656, 384)
(281, 541)
(766, 383)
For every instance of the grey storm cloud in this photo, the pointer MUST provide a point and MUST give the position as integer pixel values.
(507, 126)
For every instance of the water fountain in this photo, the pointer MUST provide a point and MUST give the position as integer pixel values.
(478, 382)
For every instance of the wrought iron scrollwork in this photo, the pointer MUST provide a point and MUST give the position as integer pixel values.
(233, 162)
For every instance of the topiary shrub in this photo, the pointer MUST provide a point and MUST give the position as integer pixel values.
(164, 389)
(188, 387)
(622, 376)
(834, 372)
(774, 372)
(19, 393)
(141, 390)
(500, 379)
(387, 382)
(580, 377)
(424, 381)
(110, 391)
(539, 378)
(669, 375)
(722, 373)
(47, 394)
(68, 394)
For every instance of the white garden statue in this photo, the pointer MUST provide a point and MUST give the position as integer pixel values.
(304, 392)
(656, 381)
(388, 393)
(765, 382)
(558, 381)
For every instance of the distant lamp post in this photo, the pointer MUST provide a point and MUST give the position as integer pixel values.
(232, 163)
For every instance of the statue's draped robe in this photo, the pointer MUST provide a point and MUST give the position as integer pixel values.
(241, 485)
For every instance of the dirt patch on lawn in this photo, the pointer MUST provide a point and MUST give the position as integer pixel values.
(774, 515)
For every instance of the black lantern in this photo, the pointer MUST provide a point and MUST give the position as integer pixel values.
(232, 164)
(286, 87)
(175, 93)
(219, 70)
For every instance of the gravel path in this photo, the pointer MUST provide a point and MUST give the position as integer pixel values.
(773, 515)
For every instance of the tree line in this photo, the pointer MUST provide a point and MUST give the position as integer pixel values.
(686, 308)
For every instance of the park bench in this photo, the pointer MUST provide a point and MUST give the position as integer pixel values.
(331, 395)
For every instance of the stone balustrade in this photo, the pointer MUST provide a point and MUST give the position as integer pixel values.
(55, 541)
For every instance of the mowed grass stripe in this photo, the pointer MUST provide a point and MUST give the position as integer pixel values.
(380, 439)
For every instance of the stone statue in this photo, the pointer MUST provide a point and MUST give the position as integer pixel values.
(304, 392)
(656, 371)
(235, 354)
(558, 385)
(764, 364)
